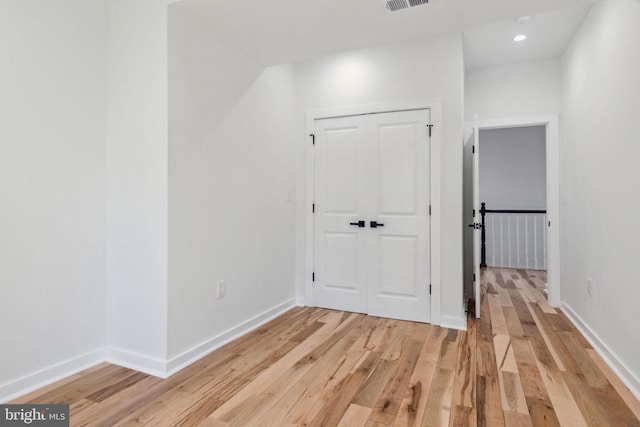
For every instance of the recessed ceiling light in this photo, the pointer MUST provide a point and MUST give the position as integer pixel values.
(520, 38)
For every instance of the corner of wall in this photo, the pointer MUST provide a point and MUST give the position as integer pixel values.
(451, 322)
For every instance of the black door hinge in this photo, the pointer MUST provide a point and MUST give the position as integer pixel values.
(473, 149)
(474, 277)
(313, 208)
(313, 138)
(430, 126)
(313, 277)
(429, 289)
(429, 210)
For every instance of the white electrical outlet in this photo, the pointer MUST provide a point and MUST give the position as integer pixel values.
(221, 289)
(590, 287)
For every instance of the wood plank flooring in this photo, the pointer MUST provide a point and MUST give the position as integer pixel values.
(521, 364)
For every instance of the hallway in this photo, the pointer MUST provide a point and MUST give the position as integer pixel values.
(534, 367)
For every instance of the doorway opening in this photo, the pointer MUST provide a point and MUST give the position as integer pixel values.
(521, 210)
(513, 198)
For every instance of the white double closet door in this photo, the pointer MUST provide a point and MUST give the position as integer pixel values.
(371, 220)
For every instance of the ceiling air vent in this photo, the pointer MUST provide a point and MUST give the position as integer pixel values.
(394, 5)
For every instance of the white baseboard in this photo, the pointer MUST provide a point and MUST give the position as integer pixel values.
(28, 383)
(451, 322)
(138, 362)
(198, 352)
(621, 370)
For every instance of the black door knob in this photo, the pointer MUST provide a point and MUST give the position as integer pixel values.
(376, 224)
(360, 223)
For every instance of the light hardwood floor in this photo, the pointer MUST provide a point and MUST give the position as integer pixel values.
(523, 363)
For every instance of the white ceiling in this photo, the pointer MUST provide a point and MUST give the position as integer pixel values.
(548, 35)
(283, 31)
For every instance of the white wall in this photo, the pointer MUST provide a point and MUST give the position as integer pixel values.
(410, 71)
(137, 167)
(528, 88)
(231, 183)
(600, 152)
(52, 186)
(513, 168)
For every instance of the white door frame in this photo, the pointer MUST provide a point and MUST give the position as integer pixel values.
(475, 162)
(551, 124)
(435, 170)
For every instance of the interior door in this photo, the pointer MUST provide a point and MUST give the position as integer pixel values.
(476, 217)
(340, 182)
(371, 220)
(399, 233)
